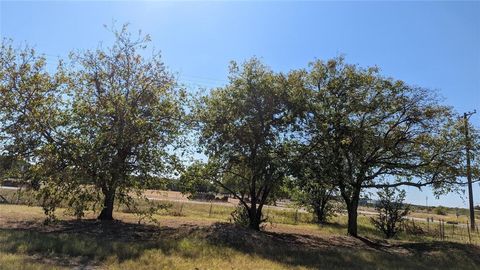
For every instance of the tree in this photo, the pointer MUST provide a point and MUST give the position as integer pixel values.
(101, 128)
(391, 210)
(242, 129)
(371, 130)
(312, 188)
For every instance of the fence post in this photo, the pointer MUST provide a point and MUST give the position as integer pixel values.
(444, 230)
(428, 225)
(210, 211)
(469, 237)
(439, 229)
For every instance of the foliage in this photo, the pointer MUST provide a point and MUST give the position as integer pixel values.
(440, 210)
(196, 178)
(319, 198)
(391, 211)
(109, 123)
(240, 216)
(366, 128)
(99, 129)
(242, 131)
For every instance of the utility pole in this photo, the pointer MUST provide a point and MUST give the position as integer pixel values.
(469, 172)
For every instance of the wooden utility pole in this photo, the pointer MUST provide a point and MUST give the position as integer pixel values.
(469, 172)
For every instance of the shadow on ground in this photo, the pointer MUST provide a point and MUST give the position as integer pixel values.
(91, 242)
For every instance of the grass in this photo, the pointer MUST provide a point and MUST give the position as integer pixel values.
(186, 243)
(197, 236)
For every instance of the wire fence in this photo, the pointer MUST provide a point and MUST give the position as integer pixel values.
(442, 230)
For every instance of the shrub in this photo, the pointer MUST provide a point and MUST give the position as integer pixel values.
(391, 211)
(240, 216)
(440, 210)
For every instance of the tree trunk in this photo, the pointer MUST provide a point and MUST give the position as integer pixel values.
(352, 209)
(107, 211)
(254, 219)
(320, 213)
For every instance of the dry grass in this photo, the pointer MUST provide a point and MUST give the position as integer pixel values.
(206, 243)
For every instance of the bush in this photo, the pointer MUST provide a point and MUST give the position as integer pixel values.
(240, 216)
(440, 210)
(391, 211)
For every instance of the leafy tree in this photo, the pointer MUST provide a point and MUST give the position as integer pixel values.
(242, 129)
(128, 113)
(29, 108)
(368, 129)
(311, 188)
(98, 130)
(195, 178)
(321, 199)
(391, 210)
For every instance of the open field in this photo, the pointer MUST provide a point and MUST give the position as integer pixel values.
(194, 240)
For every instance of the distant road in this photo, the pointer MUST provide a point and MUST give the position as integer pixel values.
(6, 187)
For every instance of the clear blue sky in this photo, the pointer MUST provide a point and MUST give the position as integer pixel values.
(429, 44)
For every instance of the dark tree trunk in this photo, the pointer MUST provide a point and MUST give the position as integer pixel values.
(352, 209)
(107, 211)
(254, 219)
(319, 209)
(351, 197)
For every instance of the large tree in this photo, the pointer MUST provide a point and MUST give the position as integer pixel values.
(371, 131)
(104, 131)
(242, 129)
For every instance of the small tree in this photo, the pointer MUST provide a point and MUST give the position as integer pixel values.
(322, 201)
(318, 197)
(391, 210)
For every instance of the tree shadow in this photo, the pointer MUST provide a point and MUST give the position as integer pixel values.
(335, 252)
(90, 242)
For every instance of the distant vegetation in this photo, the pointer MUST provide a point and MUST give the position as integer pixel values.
(440, 210)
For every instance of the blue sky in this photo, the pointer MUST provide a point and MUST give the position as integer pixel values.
(430, 44)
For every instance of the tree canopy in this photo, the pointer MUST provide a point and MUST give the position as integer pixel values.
(243, 127)
(107, 123)
(98, 129)
(370, 132)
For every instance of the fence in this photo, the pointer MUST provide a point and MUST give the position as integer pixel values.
(442, 230)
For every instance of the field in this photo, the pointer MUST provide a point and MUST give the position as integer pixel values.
(199, 236)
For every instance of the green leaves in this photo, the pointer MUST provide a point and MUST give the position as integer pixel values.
(243, 127)
(110, 119)
(391, 211)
